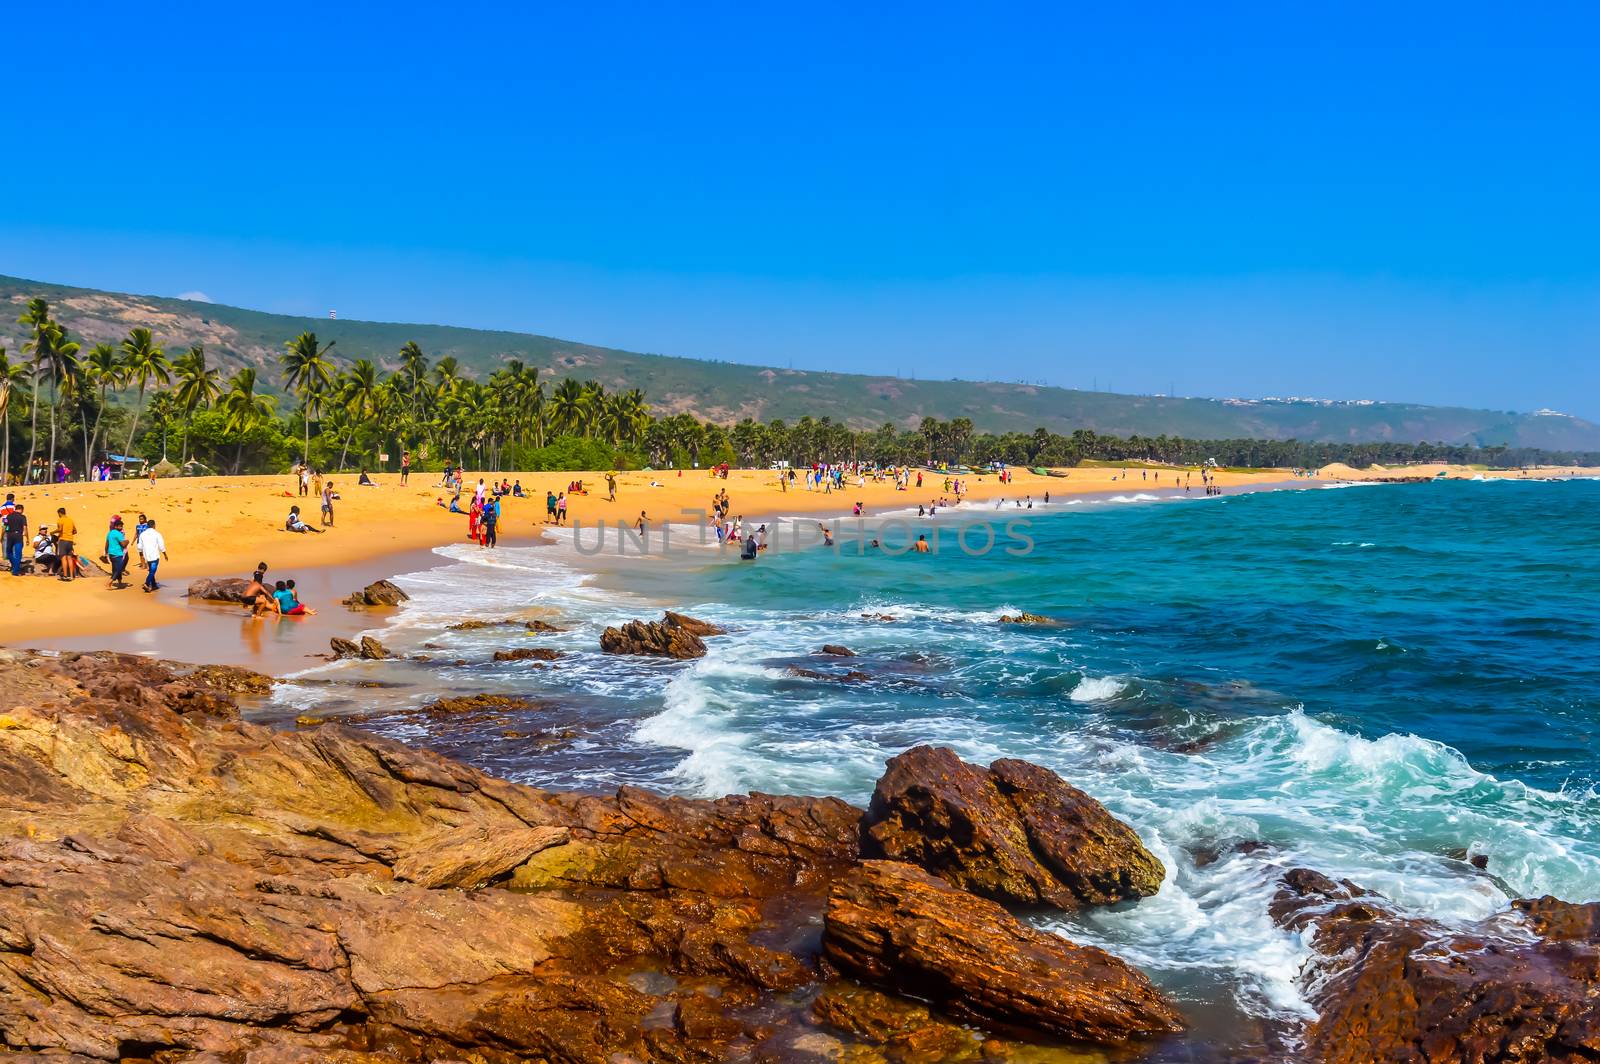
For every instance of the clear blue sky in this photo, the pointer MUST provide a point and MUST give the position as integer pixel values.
(1396, 201)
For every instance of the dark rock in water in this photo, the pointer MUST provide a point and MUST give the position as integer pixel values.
(1014, 832)
(885, 617)
(524, 653)
(837, 651)
(674, 636)
(1392, 987)
(542, 626)
(378, 593)
(226, 590)
(892, 925)
(344, 648)
(371, 648)
(1033, 619)
(853, 676)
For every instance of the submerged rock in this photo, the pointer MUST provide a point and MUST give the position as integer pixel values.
(1014, 832)
(378, 593)
(837, 651)
(890, 924)
(525, 653)
(674, 636)
(1033, 619)
(1520, 988)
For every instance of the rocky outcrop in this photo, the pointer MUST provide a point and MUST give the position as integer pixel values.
(834, 650)
(674, 636)
(1519, 988)
(378, 593)
(1035, 619)
(889, 924)
(178, 883)
(526, 653)
(215, 590)
(1014, 832)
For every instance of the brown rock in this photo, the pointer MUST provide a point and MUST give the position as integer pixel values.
(378, 593)
(837, 651)
(692, 625)
(524, 653)
(471, 857)
(1031, 618)
(230, 589)
(542, 626)
(372, 649)
(231, 679)
(1388, 986)
(666, 638)
(1015, 832)
(474, 703)
(343, 648)
(894, 926)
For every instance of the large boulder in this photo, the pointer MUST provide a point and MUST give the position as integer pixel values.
(894, 926)
(1520, 988)
(378, 593)
(674, 636)
(229, 589)
(1014, 832)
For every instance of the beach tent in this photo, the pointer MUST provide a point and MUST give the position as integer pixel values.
(124, 465)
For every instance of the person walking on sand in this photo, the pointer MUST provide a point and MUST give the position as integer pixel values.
(561, 509)
(491, 523)
(405, 468)
(16, 528)
(327, 504)
(117, 553)
(611, 487)
(66, 543)
(154, 549)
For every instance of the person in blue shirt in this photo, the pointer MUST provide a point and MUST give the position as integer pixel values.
(491, 522)
(117, 552)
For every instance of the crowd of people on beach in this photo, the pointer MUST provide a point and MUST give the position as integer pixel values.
(57, 551)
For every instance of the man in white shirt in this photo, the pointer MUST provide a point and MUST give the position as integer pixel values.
(154, 550)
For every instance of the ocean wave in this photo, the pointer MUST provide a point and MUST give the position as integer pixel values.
(1097, 689)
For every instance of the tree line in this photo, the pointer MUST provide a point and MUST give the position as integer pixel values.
(337, 417)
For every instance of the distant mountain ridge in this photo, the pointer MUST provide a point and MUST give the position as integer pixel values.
(726, 392)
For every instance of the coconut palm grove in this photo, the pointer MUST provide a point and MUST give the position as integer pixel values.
(61, 405)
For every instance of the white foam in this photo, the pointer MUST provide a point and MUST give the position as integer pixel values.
(1097, 688)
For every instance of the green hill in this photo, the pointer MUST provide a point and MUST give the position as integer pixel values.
(726, 392)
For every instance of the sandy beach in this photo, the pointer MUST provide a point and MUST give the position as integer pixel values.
(219, 526)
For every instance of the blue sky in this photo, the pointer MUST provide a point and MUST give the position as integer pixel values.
(1221, 199)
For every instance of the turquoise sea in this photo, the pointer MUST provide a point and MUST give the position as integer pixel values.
(1380, 682)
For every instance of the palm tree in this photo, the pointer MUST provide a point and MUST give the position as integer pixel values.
(569, 408)
(358, 392)
(10, 375)
(143, 361)
(102, 369)
(198, 385)
(243, 409)
(58, 357)
(36, 317)
(308, 372)
(414, 368)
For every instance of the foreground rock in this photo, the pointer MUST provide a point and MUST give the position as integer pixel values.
(674, 636)
(212, 590)
(527, 653)
(1520, 988)
(378, 593)
(177, 883)
(889, 924)
(1014, 832)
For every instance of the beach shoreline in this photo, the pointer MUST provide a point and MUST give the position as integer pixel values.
(222, 526)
